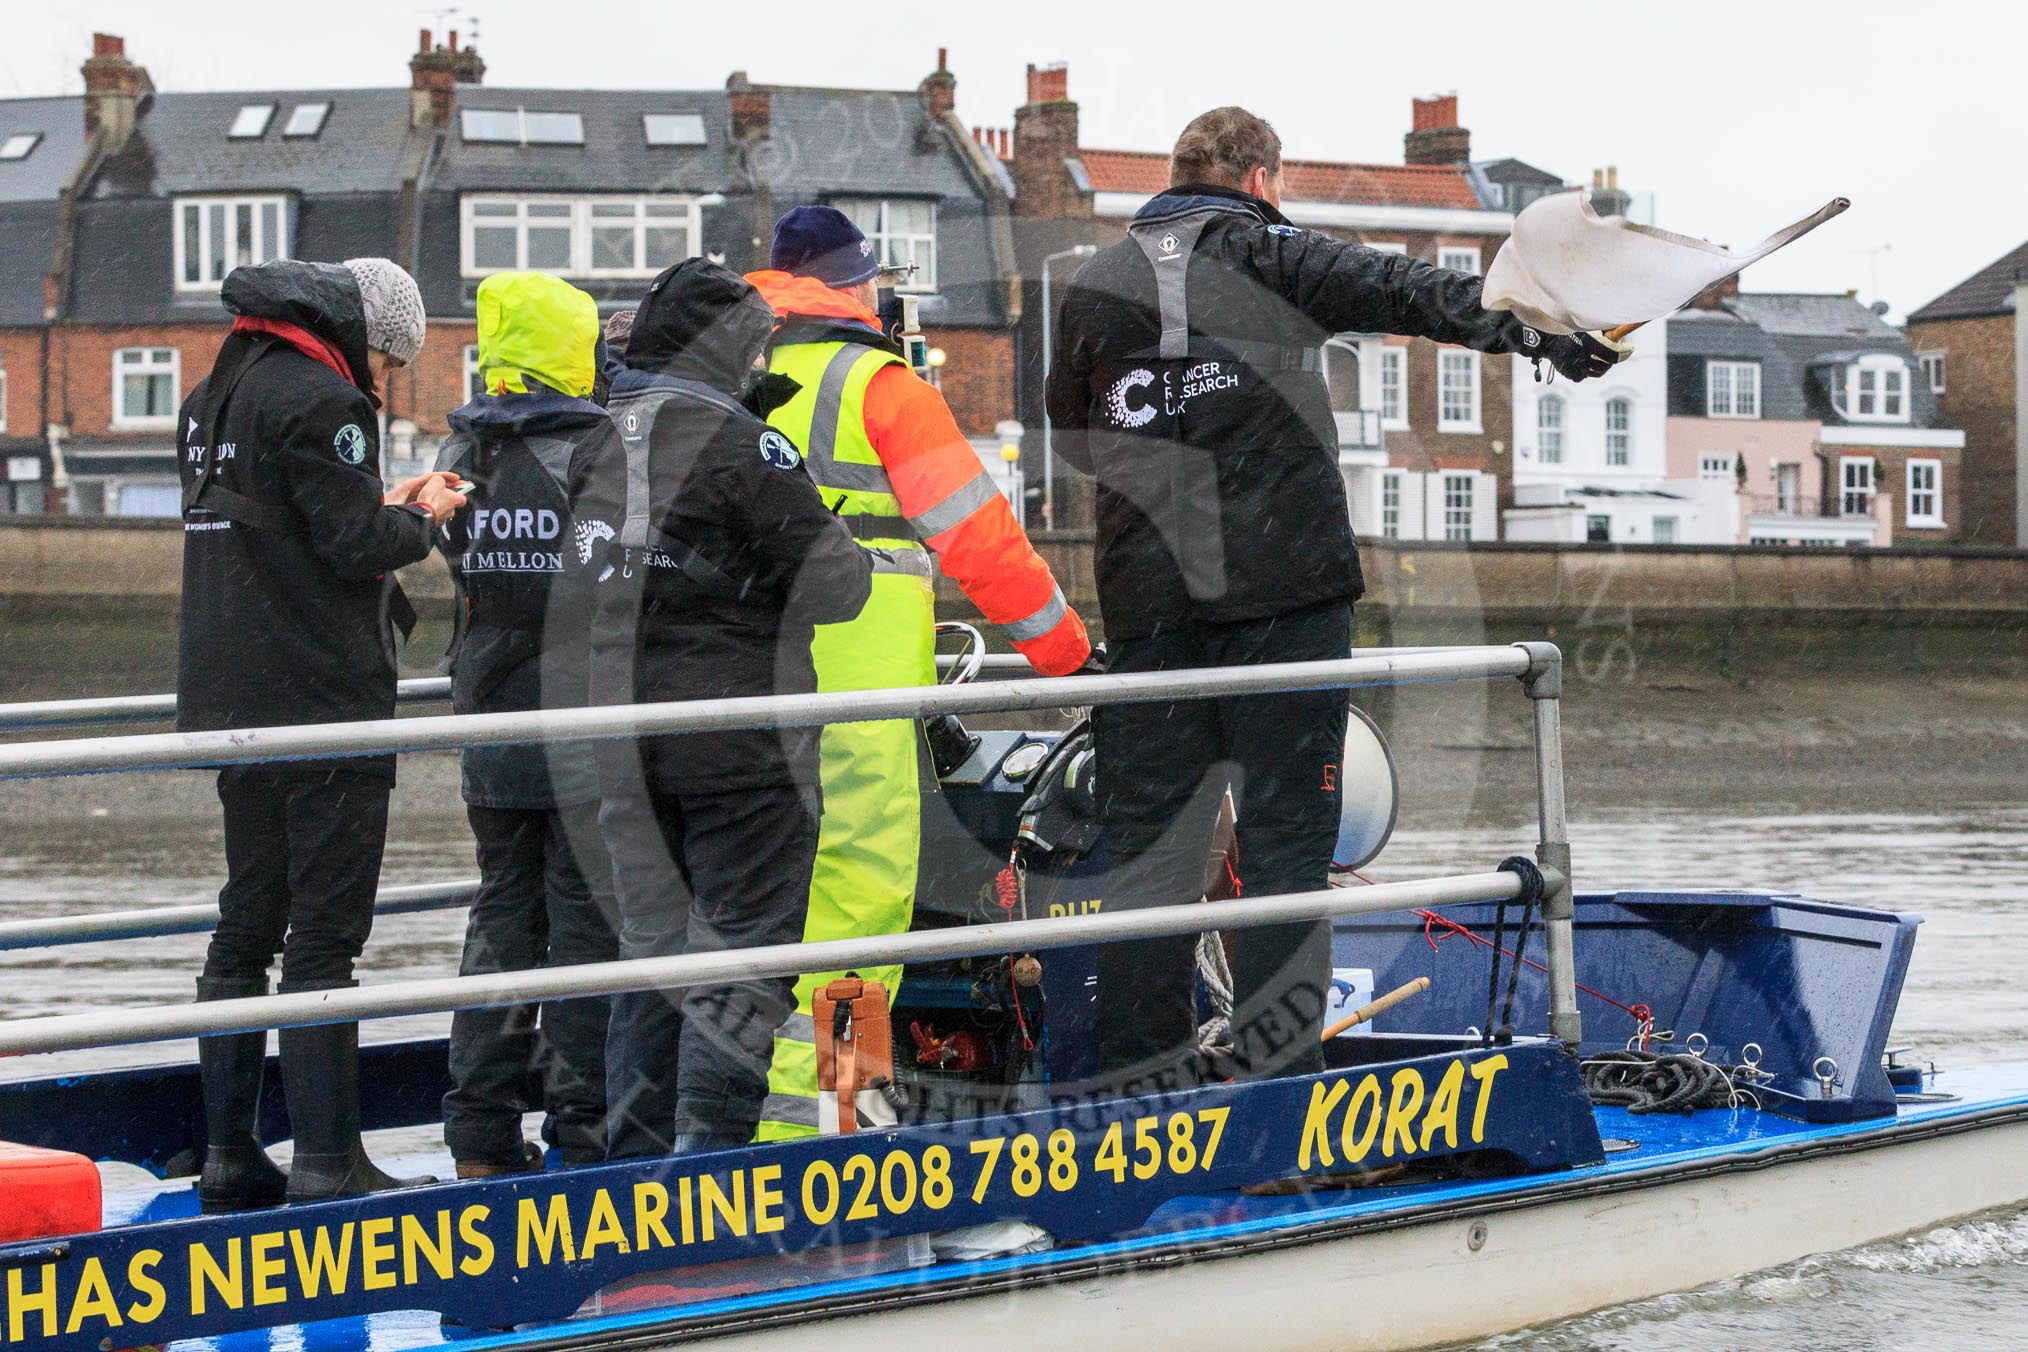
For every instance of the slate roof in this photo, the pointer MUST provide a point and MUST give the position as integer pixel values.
(1794, 338)
(1807, 316)
(1989, 291)
(180, 145)
(48, 168)
(615, 156)
(1407, 185)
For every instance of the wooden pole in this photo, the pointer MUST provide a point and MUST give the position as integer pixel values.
(1377, 1007)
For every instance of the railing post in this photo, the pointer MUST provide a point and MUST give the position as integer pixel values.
(1543, 684)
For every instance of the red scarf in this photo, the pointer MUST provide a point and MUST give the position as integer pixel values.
(300, 338)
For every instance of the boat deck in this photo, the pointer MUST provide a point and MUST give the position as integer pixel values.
(683, 1304)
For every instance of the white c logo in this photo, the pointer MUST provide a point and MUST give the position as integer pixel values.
(1124, 414)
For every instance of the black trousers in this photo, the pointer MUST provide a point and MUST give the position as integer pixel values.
(1163, 770)
(698, 872)
(302, 859)
(545, 900)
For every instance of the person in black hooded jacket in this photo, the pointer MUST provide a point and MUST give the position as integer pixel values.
(718, 558)
(289, 544)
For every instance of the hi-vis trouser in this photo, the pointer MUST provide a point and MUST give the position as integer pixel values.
(865, 876)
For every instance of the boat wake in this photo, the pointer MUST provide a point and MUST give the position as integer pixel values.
(1841, 1298)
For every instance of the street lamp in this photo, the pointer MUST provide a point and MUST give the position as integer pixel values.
(1048, 424)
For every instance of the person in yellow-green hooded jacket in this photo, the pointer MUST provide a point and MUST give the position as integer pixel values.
(888, 457)
(521, 641)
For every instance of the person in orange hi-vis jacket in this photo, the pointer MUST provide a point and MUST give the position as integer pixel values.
(888, 457)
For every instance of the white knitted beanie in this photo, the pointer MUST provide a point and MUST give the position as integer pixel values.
(394, 307)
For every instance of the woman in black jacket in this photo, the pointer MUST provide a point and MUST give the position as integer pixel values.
(717, 558)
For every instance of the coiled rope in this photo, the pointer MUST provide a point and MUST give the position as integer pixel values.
(1668, 1082)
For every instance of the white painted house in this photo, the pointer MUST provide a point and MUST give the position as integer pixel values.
(1590, 463)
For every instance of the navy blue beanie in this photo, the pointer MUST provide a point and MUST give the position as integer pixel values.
(822, 242)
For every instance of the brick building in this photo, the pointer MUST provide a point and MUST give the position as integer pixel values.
(1425, 431)
(1973, 352)
(125, 208)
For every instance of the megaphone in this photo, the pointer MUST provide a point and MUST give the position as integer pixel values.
(1370, 794)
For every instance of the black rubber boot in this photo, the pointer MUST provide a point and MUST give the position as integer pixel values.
(320, 1070)
(237, 1174)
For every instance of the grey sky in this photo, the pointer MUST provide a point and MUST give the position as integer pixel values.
(1737, 121)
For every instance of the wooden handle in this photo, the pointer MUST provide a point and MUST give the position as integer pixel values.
(1380, 1006)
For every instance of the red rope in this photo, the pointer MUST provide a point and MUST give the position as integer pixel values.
(1432, 923)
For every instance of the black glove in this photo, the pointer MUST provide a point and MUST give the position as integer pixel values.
(1094, 665)
(1580, 356)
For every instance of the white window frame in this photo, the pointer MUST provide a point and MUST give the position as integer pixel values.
(1550, 440)
(174, 370)
(1739, 375)
(1458, 522)
(924, 278)
(1394, 363)
(1673, 524)
(1619, 441)
(1790, 502)
(1390, 485)
(1850, 492)
(1459, 257)
(1889, 380)
(1933, 368)
(1451, 361)
(265, 250)
(1714, 466)
(581, 224)
(1933, 518)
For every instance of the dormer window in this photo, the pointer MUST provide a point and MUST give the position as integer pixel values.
(214, 235)
(1875, 390)
(252, 122)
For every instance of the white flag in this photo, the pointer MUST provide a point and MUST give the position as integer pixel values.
(1566, 268)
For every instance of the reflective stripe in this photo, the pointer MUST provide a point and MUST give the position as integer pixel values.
(821, 453)
(917, 563)
(792, 1109)
(961, 502)
(1041, 622)
(1168, 245)
(798, 1027)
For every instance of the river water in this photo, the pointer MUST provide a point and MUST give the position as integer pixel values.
(116, 842)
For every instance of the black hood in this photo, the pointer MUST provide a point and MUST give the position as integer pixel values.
(703, 322)
(320, 297)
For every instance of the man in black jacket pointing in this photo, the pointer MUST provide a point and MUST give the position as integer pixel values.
(1190, 383)
(289, 546)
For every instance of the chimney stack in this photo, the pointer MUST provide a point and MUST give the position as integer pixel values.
(751, 110)
(1436, 137)
(1607, 197)
(113, 86)
(1045, 135)
(939, 89)
(434, 74)
(1714, 297)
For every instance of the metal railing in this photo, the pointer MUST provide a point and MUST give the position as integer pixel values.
(1537, 665)
(155, 922)
(115, 709)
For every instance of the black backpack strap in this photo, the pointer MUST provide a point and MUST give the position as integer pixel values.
(203, 492)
